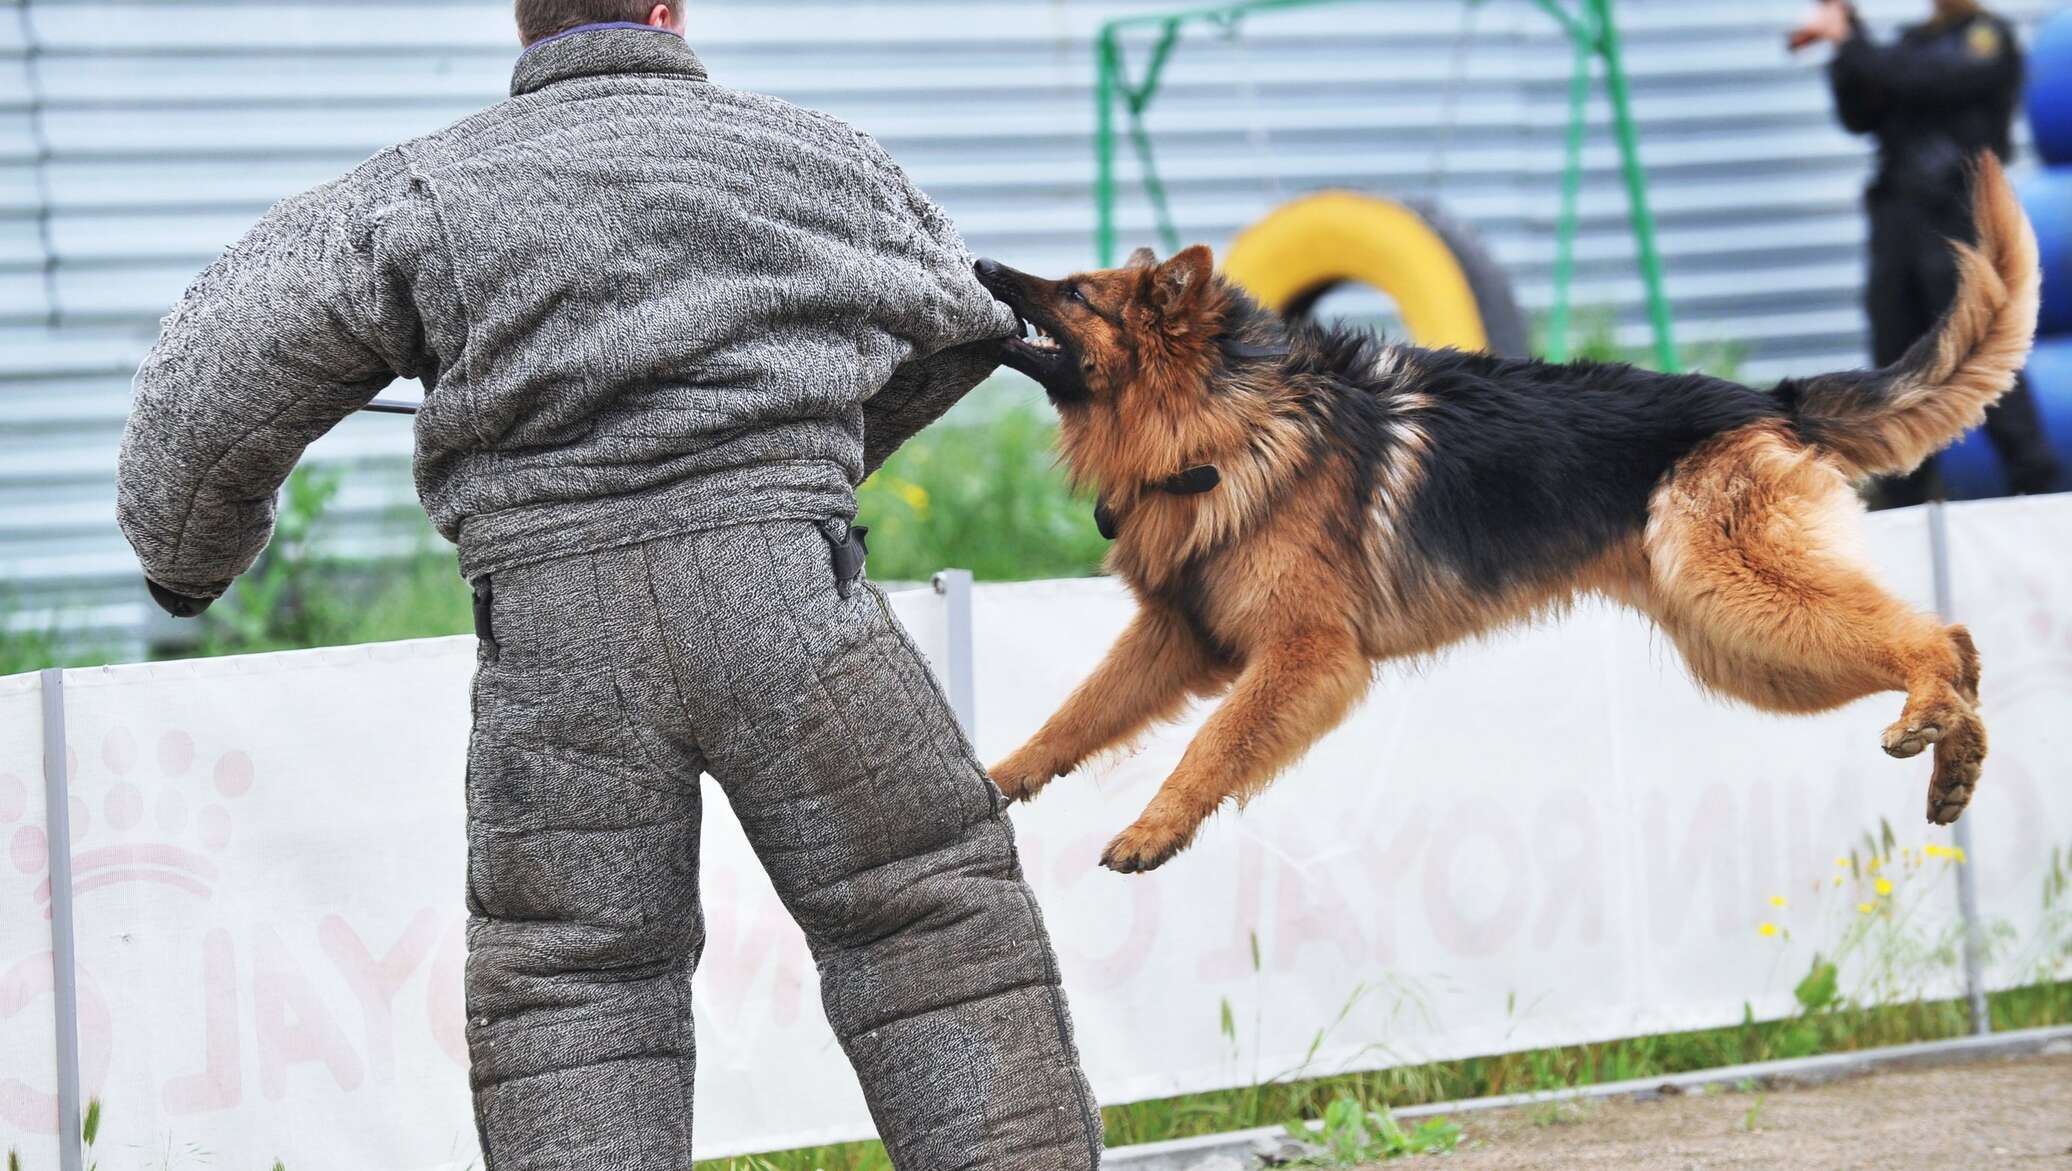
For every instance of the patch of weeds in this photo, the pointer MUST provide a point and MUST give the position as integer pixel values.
(1568, 1113)
(90, 1130)
(1752, 1120)
(301, 595)
(1593, 337)
(32, 642)
(865, 1156)
(1353, 1135)
(1885, 943)
(984, 496)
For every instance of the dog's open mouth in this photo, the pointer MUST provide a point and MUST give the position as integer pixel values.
(1035, 337)
(1043, 356)
(1036, 349)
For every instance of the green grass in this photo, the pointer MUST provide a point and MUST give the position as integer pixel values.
(300, 595)
(1593, 338)
(31, 641)
(985, 497)
(1576, 1065)
(35, 648)
(1359, 1102)
(1351, 1135)
(1863, 989)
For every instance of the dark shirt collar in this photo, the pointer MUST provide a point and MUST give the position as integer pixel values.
(595, 50)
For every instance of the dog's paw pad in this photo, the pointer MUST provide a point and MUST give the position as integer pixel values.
(1909, 738)
(1946, 806)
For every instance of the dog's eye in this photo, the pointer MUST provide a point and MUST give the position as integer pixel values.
(1072, 293)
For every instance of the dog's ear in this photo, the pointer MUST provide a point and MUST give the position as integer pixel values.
(1179, 282)
(1142, 258)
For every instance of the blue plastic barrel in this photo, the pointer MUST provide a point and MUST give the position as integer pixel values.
(2050, 88)
(2047, 196)
(1971, 470)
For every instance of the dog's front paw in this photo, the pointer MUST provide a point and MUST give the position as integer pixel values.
(1150, 843)
(1025, 774)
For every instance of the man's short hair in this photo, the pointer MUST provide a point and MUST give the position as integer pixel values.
(544, 18)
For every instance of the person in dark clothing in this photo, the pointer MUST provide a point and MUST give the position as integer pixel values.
(1944, 92)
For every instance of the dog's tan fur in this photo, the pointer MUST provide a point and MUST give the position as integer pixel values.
(1748, 560)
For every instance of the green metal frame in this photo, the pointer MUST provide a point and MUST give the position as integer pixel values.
(1590, 28)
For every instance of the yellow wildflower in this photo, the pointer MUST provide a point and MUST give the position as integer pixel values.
(1865, 908)
(1838, 880)
(915, 495)
(1777, 900)
(1767, 930)
(1885, 886)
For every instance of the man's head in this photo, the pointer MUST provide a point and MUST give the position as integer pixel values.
(539, 19)
(1955, 9)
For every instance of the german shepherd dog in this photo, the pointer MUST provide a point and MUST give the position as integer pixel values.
(1293, 504)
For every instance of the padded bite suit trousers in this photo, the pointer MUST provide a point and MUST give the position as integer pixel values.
(608, 682)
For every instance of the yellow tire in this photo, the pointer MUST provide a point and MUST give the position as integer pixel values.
(1448, 290)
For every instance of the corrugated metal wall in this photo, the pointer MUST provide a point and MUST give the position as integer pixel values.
(136, 140)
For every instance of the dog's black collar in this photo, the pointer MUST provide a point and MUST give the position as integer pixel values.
(1203, 478)
(1195, 481)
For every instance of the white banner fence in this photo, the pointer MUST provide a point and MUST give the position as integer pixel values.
(1547, 838)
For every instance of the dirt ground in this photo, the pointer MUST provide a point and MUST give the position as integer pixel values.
(1992, 1114)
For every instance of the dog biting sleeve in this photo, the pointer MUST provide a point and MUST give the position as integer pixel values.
(937, 307)
(294, 328)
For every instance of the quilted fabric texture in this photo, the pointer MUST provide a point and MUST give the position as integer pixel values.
(641, 303)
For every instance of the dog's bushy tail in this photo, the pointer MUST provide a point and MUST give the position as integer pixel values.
(1887, 422)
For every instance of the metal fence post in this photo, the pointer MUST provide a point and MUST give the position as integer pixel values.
(955, 587)
(57, 822)
(1960, 834)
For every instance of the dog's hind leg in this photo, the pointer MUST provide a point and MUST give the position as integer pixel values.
(1753, 573)
(1294, 689)
(1146, 677)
